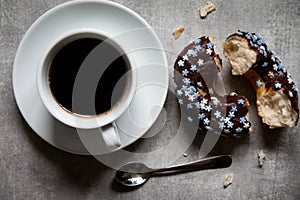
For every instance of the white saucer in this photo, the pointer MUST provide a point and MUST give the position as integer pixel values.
(114, 20)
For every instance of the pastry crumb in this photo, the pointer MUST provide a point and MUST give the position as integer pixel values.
(208, 7)
(177, 32)
(261, 158)
(228, 180)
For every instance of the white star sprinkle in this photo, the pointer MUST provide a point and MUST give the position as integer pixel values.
(209, 51)
(191, 97)
(204, 101)
(200, 62)
(185, 57)
(278, 85)
(180, 63)
(217, 114)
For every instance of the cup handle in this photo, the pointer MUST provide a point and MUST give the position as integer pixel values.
(110, 135)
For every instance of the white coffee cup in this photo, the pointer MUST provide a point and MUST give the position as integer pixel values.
(105, 122)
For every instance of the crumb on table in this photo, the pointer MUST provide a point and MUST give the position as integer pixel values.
(261, 158)
(228, 179)
(208, 7)
(177, 32)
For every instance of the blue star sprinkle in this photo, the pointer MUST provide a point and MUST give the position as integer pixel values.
(281, 66)
(234, 109)
(206, 121)
(179, 93)
(196, 94)
(243, 120)
(201, 116)
(273, 58)
(193, 68)
(197, 41)
(187, 81)
(230, 124)
(281, 73)
(199, 84)
(239, 129)
(251, 43)
(275, 67)
(217, 114)
(190, 52)
(189, 106)
(241, 101)
(209, 45)
(265, 54)
(198, 105)
(175, 86)
(194, 54)
(248, 36)
(258, 83)
(264, 64)
(184, 88)
(180, 63)
(291, 94)
(180, 101)
(198, 48)
(208, 108)
(231, 114)
(260, 42)
(258, 36)
(221, 126)
(294, 87)
(278, 85)
(185, 72)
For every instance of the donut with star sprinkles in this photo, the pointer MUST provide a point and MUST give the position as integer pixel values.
(194, 72)
(276, 92)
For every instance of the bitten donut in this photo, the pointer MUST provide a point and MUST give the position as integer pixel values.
(277, 96)
(194, 71)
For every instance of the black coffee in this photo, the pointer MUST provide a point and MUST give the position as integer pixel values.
(64, 70)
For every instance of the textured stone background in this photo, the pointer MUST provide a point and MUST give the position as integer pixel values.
(32, 169)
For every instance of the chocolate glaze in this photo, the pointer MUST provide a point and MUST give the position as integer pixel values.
(271, 70)
(195, 69)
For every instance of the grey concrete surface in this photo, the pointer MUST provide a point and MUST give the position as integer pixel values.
(32, 169)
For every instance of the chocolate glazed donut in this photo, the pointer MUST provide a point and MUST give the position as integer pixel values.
(277, 96)
(194, 72)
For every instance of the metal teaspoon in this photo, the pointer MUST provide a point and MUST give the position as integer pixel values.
(135, 174)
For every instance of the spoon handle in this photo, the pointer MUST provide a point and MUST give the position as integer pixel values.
(214, 162)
